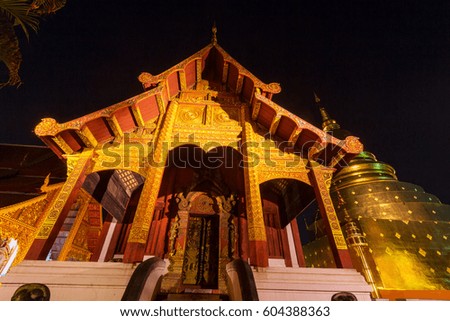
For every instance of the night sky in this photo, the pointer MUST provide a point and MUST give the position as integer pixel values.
(381, 68)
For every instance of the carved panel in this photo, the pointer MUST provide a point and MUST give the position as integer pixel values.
(266, 175)
(201, 255)
(191, 115)
(21, 221)
(202, 204)
(226, 116)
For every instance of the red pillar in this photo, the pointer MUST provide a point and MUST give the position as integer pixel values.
(298, 244)
(101, 240)
(243, 233)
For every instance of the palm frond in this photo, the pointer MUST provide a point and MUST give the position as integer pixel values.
(19, 13)
(9, 51)
(43, 7)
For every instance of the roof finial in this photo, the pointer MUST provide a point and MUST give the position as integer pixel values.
(214, 34)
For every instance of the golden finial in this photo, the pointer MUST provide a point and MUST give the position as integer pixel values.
(214, 34)
(44, 187)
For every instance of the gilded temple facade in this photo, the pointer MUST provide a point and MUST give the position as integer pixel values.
(202, 169)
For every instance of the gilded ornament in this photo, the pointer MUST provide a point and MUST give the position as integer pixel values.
(353, 144)
(146, 78)
(47, 127)
(274, 88)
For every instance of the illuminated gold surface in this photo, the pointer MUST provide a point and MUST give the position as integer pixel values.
(405, 227)
(145, 210)
(52, 213)
(23, 220)
(213, 113)
(76, 245)
(256, 227)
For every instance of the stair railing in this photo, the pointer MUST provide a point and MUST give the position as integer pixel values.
(145, 282)
(240, 281)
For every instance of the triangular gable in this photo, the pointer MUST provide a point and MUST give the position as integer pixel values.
(223, 74)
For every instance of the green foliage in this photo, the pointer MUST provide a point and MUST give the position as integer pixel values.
(19, 13)
(24, 14)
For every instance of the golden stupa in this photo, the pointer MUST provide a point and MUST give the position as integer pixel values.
(399, 233)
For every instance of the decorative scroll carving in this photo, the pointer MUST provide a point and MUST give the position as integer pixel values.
(353, 144)
(191, 115)
(265, 175)
(183, 202)
(202, 204)
(173, 233)
(22, 221)
(274, 87)
(226, 116)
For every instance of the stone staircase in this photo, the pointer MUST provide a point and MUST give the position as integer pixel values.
(106, 281)
(70, 281)
(309, 284)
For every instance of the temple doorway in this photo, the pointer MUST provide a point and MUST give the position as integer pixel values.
(201, 259)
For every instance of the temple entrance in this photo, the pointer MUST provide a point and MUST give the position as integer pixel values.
(202, 210)
(201, 259)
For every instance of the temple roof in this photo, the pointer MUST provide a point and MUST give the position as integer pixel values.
(222, 74)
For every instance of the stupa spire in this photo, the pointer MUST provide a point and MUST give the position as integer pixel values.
(328, 123)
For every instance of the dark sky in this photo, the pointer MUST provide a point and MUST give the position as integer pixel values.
(382, 68)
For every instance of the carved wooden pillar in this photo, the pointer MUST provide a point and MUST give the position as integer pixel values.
(161, 237)
(135, 248)
(321, 180)
(227, 237)
(255, 219)
(77, 167)
(173, 282)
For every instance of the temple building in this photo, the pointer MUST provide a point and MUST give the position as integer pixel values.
(203, 188)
